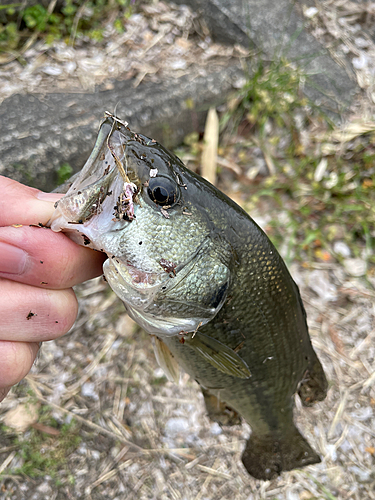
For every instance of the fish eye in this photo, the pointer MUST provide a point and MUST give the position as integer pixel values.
(163, 191)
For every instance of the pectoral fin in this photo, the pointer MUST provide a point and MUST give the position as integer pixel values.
(166, 360)
(219, 355)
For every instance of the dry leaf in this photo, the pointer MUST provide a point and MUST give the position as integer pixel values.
(320, 170)
(352, 131)
(211, 141)
(335, 337)
(46, 429)
(21, 417)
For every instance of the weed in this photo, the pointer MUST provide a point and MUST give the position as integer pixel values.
(270, 92)
(63, 173)
(42, 453)
(73, 20)
(271, 114)
(158, 381)
(326, 494)
(340, 206)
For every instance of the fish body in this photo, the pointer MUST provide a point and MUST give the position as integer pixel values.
(198, 274)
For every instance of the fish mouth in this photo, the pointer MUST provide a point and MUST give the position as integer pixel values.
(110, 153)
(170, 277)
(118, 140)
(107, 175)
(136, 288)
(143, 292)
(135, 277)
(140, 277)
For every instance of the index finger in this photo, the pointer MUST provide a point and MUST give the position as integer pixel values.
(17, 204)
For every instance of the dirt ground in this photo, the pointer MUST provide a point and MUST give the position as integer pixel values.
(101, 420)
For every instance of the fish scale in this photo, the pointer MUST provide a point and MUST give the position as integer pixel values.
(198, 274)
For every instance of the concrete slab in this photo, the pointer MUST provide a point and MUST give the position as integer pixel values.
(38, 133)
(277, 28)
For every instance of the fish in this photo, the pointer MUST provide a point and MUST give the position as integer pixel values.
(197, 273)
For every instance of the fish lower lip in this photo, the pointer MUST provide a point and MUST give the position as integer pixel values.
(141, 277)
(136, 277)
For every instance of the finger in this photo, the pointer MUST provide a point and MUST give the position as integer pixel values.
(30, 314)
(3, 392)
(17, 359)
(40, 257)
(21, 204)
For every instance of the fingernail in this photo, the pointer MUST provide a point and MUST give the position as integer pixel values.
(49, 196)
(12, 259)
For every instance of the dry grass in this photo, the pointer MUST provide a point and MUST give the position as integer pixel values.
(161, 42)
(142, 437)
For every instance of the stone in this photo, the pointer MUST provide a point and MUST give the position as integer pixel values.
(355, 267)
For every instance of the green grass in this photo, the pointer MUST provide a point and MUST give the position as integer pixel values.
(309, 212)
(64, 173)
(272, 92)
(73, 20)
(159, 381)
(341, 206)
(270, 112)
(42, 453)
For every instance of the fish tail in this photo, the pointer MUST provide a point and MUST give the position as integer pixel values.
(265, 457)
(314, 385)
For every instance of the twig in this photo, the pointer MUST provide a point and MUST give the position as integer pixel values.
(96, 427)
(369, 381)
(117, 459)
(8, 448)
(77, 18)
(120, 407)
(211, 142)
(89, 370)
(117, 425)
(110, 474)
(156, 39)
(358, 347)
(213, 472)
(360, 426)
(223, 162)
(7, 461)
(338, 415)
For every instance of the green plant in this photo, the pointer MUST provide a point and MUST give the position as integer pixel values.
(341, 205)
(270, 113)
(43, 453)
(73, 19)
(36, 17)
(63, 173)
(272, 91)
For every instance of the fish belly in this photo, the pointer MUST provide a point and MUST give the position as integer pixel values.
(275, 444)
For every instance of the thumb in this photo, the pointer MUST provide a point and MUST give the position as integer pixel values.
(20, 204)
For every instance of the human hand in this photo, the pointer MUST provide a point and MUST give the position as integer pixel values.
(37, 270)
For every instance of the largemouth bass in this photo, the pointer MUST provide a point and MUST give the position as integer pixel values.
(198, 274)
